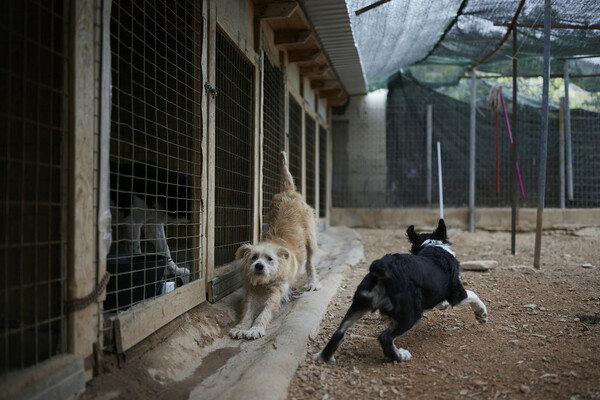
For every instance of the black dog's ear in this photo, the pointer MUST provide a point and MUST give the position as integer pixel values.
(412, 235)
(441, 232)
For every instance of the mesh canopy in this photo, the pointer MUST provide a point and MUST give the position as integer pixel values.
(398, 33)
(435, 42)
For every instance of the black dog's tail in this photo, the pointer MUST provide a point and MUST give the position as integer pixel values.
(379, 269)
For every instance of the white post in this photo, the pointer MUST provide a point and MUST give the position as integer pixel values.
(472, 153)
(429, 143)
(440, 185)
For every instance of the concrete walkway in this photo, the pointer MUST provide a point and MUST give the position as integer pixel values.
(200, 361)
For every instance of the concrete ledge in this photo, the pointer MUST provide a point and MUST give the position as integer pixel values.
(458, 218)
(263, 368)
(61, 377)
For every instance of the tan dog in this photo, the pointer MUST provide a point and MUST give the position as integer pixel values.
(272, 265)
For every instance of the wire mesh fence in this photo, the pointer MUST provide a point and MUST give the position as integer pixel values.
(398, 153)
(155, 150)
(234, 151)
(273, 133)
(322, 172)
(295, 142)
(310, 137)
(33, 203)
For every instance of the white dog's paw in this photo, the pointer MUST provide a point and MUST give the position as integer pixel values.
(236, 332)
(443, 305)
(312, 285)
(254, 333)
(481, 315)
(403, 354)
(317, 356)
(181, 273)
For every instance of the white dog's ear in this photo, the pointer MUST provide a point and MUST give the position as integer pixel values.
(283, 253)
(243, 250)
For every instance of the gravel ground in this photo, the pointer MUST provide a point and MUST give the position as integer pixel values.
(534, 346)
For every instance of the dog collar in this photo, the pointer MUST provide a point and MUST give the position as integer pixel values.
(438, 243)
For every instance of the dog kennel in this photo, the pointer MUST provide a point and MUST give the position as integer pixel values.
(155, 149)
(34, 169)
(295, 142)
(273, 132)
(322, 172)
(149, 140)
(234, 146)
(310, 145)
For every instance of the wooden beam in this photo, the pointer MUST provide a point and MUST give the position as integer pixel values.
(325, 94)
(324, 84)
(145, 318)
(292, 37)
(314, 71)
(275, 10)
(337, 101)
(303, 55)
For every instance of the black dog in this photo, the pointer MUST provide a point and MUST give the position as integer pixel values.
(402, 286)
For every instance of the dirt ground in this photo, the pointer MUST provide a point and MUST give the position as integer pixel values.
(534, 345)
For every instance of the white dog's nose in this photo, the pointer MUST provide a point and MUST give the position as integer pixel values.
(259, 268)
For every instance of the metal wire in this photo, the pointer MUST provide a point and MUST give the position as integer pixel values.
(310, 160)
(273, 134)
(295, 142)
(33, 200)
(155, 147)
(322, 172)
(234, 151)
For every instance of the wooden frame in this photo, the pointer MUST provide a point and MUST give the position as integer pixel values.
(83, 326)
(228, 276)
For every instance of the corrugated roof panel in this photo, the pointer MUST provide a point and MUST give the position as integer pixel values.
(331, 23)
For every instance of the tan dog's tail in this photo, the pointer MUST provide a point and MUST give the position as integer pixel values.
(287, 178)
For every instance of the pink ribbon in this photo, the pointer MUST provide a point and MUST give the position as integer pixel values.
(511, 144)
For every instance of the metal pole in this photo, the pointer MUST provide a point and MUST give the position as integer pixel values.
(568, 132)
(440, 181)
(429, 160)
(472, 153)
(543, 153)
(513, 151)
(561, 151)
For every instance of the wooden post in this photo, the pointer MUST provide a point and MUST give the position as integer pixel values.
(211, 18)
(543, 153)
(83, 324)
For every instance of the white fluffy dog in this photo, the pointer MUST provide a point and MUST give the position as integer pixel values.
(272, 265)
